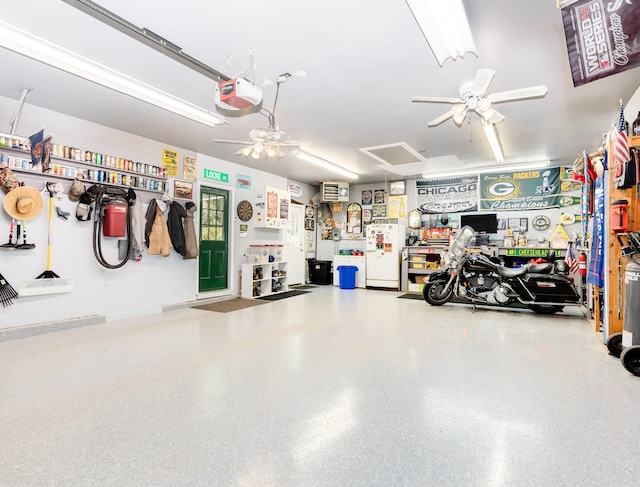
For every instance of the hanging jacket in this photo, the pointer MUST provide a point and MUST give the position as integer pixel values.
(138, 223)
(159, 240)
(176, 230)
(151, 218)
(191, 240)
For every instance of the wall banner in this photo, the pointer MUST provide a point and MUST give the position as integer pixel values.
(523, 190)
(447, 195)
(600, 35)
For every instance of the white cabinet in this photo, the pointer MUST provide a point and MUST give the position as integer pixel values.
(264, 279)
(354, 260)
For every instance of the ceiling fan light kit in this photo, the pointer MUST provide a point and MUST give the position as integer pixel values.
(26, 44)
(445, 26)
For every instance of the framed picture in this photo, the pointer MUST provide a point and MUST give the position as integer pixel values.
(379, 211)
(396, 188)
(366, 215)
(524, 224)
(367, 197)
(183, 190)
(378, 197)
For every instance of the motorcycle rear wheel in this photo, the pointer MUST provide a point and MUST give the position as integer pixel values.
(434, 293)
(546, 309)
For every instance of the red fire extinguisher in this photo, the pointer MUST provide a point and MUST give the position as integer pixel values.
(582, 264)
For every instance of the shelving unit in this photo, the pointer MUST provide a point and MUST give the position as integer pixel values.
(420, 262)
(97, 171)
(263, 279)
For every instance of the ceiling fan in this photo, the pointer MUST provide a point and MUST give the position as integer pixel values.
(266, 141)
(473, 97)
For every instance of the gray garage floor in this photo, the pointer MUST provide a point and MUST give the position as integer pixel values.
(332, 388)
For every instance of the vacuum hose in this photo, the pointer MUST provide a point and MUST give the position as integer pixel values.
(105, 195)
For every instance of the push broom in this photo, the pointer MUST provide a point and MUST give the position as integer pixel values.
(48, 282)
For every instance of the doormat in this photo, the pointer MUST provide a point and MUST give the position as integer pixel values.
(229, 305)
(411, 296)
(304, 286)
(286, 294)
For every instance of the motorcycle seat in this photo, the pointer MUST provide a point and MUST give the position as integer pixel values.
(540, 268)
(511, 271)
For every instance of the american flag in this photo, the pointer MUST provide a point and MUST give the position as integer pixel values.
(571, 260)
(620, 142)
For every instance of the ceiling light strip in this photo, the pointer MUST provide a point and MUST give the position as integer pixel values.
(480, 170)
(492, 138)
(26, 44)
(326, 164)
(445, 26)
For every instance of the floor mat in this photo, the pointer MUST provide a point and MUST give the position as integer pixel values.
(229, 305)
(303, 286)
(286, 294)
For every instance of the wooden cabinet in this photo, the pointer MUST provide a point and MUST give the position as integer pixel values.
(263, 279)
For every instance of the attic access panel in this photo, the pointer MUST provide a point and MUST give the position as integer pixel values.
(396, 154)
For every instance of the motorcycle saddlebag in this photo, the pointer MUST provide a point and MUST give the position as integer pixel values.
(550, 289)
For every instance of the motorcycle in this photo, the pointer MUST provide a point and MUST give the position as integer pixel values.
(479, 279)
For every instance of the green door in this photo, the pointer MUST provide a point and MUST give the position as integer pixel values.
(214, 242)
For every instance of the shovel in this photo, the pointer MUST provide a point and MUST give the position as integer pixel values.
(48, 282)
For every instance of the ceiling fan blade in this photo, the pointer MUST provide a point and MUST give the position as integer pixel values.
(497, 117)
(435, 99)
(288, 143)
(519, 94)
(440, 119)
(482, 81)
(229, 141)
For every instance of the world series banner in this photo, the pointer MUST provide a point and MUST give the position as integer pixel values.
(447, 195)
(602, 38)
(524, 190)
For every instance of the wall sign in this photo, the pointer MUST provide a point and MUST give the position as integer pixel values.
(216, 176)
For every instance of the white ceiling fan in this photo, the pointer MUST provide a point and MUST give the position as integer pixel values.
(473, 97)
(266, 141)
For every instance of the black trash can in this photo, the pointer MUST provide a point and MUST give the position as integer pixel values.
(320, 271)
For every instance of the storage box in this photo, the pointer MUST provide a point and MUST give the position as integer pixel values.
(415, 287)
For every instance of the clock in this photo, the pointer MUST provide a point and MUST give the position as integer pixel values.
(540, 222)
(309, 211)
(245, 210)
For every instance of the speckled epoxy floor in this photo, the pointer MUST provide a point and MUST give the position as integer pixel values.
(332, 388)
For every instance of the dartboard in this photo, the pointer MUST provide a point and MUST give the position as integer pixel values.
(245, 210)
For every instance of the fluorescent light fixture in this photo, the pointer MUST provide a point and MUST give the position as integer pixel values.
(445, 26)
(325, 164)
(492, 138)
(26, 44)
(497, 168)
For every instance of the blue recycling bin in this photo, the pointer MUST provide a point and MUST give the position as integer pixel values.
(347, 276)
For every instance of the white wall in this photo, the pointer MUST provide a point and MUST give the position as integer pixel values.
(137, 288)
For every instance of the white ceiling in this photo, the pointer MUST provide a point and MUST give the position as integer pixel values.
(364, 60)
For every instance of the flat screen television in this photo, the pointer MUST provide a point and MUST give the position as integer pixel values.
(483, 222)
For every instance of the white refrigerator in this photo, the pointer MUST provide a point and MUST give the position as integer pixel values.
(383, 248)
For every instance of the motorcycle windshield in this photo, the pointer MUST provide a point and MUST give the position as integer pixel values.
(466, 238)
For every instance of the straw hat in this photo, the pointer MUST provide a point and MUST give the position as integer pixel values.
(23, 203)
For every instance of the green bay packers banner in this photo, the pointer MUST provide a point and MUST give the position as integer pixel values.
(602, 38)
(447, 195)
(524, 190)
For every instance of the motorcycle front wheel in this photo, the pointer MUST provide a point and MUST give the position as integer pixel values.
(435, 295)
(546, 309)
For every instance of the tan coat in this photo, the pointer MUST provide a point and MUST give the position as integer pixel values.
(159, 240)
